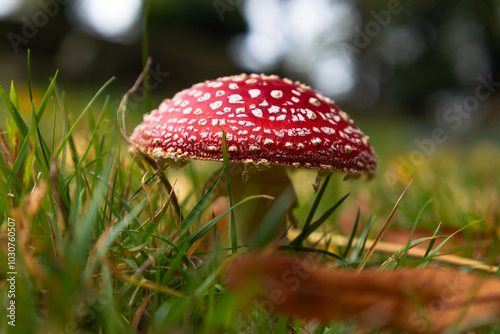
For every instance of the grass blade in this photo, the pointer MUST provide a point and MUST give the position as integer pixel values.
(234, 236)
(312, 250)
(431, 244)
(195, 212)
(414, 227)
(317, 201)
(13, 96)
(351, 237)
(45, 100)
(360, 245)
(428, 258)
(107, 238)
(267, 229)
(87, 108)
(382, 231)
(14, 113)
(314, 226)
(207, 226)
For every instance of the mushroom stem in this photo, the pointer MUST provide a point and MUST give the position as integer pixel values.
(273, 182)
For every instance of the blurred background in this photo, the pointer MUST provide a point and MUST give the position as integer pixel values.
(417, 58)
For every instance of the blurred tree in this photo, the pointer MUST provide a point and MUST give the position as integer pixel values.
(396, 55)
(432, 47)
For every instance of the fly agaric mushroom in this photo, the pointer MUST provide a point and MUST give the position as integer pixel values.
(267, 120)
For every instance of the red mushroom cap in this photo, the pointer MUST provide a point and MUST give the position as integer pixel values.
(267, 120)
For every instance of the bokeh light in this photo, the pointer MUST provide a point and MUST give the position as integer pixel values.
(8, 7)
(302, 36)
(114, 20)
(359, 53)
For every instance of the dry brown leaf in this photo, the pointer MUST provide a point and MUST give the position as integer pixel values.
(24, 215)
(431, 300)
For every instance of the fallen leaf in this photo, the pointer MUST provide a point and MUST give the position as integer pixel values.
(431, 300)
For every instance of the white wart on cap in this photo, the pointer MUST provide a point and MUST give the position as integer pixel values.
(267, 120)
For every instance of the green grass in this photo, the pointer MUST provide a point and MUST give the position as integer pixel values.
(101, 246)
